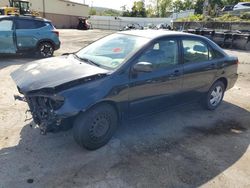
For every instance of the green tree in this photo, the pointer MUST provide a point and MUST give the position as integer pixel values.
(178, 5)
(125, 11)
(188, 4)
(198, 7)
(111, 12)
(151, 11)
(163, 7)
(230, 2)
(138, 9)
(92, 11)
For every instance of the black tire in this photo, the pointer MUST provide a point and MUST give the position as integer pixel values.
(67, 124)
(94, 128)
(45, 50)
(214, 96)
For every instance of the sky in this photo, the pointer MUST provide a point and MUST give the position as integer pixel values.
(114, 4)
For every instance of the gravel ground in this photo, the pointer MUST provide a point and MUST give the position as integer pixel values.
(186, 146)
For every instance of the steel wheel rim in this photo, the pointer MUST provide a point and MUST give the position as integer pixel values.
(46, 50)
(216, 96)
(100, 126)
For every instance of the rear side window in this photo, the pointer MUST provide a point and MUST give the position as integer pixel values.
(195, 51)
(39, 24)
(6, 25)
(29, 24)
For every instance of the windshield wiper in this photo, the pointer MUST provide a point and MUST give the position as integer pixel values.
(87, 60)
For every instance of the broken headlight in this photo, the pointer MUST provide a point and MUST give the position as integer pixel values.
(53, 103)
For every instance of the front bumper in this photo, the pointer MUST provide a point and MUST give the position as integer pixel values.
(43, 114)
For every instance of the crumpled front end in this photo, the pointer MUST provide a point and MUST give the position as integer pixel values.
(43, 110)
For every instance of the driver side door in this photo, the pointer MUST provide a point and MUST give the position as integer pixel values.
(156, 90)
(7, 44)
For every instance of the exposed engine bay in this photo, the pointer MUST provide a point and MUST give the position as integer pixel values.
(42, 109)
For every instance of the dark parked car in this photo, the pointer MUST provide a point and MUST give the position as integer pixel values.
(163, 26)
(22, 34)
(121, 76)
(227, 8)
(132, 27)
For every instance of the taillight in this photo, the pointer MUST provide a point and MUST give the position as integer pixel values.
(56, 32)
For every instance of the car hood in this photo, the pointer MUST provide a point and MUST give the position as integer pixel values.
(53, 72)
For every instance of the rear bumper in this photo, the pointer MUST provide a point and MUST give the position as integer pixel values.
(57, 46)
(232, 80)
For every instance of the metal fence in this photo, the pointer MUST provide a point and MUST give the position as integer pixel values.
(117, 23)
(228, 39)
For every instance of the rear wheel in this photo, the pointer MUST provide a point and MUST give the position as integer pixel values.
(214, 96)
(45, 50)
(94, 128)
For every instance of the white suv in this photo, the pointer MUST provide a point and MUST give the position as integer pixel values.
(242, 5)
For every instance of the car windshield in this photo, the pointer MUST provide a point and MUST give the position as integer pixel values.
(111, 51)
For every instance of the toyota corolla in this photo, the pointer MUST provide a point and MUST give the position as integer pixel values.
(122, 76)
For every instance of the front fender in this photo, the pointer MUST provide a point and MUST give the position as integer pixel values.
(79, 98)
(113, 88)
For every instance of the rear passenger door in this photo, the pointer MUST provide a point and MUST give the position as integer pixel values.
(27, 33)
(7, 43)
(199, 65)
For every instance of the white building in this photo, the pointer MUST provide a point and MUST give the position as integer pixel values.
(63, 13)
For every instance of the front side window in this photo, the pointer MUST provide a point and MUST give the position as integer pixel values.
(161, 54)
(6, 25)
(111, 51)
(195, 51)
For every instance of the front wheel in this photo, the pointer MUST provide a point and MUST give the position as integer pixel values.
(94, 128)
(214, 96)
(45, 50)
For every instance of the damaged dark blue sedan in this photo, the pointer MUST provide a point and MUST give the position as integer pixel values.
(122, 76)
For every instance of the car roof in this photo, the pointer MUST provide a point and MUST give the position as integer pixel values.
(152, 34)
(25, 17)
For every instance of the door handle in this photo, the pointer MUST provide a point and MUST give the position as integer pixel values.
(175, 73)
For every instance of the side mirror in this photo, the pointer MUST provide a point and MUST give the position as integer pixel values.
(143, 67)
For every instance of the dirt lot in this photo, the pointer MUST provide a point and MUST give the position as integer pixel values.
(183, 147)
